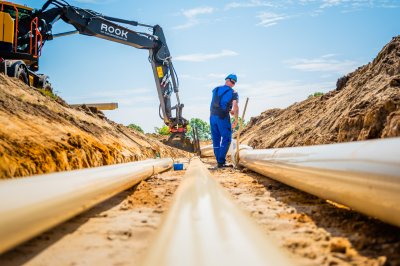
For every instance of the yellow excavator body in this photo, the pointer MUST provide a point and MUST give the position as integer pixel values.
(8, 14)
(6, 28)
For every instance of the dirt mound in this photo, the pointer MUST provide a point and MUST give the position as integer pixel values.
(364, 105)
(39, 134)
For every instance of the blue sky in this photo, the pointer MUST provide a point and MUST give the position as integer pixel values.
(282, 51)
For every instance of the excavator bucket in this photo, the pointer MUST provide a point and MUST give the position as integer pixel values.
(181, 141)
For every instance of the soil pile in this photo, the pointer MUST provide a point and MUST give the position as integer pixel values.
(40, 134)
(364, 105)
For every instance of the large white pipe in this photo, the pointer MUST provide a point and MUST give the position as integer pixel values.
(31, 205)
(363, 175)
(204, 227)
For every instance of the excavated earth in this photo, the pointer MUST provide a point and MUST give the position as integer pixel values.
(40, 135)
(364, 105)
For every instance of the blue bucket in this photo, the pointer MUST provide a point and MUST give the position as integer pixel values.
(178, 166)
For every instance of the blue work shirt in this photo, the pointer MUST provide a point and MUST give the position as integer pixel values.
(226, 95)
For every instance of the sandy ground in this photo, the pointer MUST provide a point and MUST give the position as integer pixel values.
(118, 231)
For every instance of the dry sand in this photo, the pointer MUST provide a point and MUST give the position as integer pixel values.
(118, 231)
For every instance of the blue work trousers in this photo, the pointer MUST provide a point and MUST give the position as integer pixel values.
(221, 133)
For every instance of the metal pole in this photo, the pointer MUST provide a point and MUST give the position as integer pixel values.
(31, 205)
(204, 227)
(236, 157)
(362, 175)
(57, 35)
(197, 142)
(98, 106)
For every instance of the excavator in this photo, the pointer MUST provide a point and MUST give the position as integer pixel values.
(24, 31)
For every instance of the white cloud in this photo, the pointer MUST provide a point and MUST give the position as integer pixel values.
(217, 75)
(192, 16)
(204, 57)
(267, 94)
(307, 1)
(125, 96)
(187, 25)
(353, 5)
(331, 3)
(325, 63)
(316, 7)
(268, 19)
(251, 3)
(223, 75)
(194, 12)
(190, 77)
(328, 55)
(278, 88)
(390, 5)
(144, 116)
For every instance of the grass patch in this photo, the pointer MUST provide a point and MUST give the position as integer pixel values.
(48, 93)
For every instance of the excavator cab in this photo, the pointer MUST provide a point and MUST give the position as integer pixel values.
(20, 45)
(20, 37)
(10, 15)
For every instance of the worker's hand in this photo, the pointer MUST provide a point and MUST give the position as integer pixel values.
(232, 112)
(234, 124)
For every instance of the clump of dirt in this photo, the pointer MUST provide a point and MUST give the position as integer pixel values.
(144, 196)
(40, 134)
(364, 105)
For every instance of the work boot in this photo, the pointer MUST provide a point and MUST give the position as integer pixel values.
(224, 165)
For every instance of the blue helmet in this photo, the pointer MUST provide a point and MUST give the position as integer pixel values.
(232, 77)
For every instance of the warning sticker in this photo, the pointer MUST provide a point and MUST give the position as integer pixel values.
(160, 72)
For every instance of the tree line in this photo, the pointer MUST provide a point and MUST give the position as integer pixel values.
(203, 128)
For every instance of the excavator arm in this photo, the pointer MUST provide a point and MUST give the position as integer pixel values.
(91, 23)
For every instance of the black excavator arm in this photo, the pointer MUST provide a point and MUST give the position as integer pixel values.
(91, 23)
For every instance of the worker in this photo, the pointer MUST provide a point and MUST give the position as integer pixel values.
(224, 102)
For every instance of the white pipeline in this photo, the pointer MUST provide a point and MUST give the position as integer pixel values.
(204, 227)
(363, 175)
(31, 205)
(208, 151)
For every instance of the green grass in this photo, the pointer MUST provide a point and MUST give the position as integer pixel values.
(315, 94)
(48, 93)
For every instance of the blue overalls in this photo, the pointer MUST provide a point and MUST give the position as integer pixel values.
(221, 130)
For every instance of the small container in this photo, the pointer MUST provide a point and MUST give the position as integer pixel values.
(178, 166)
